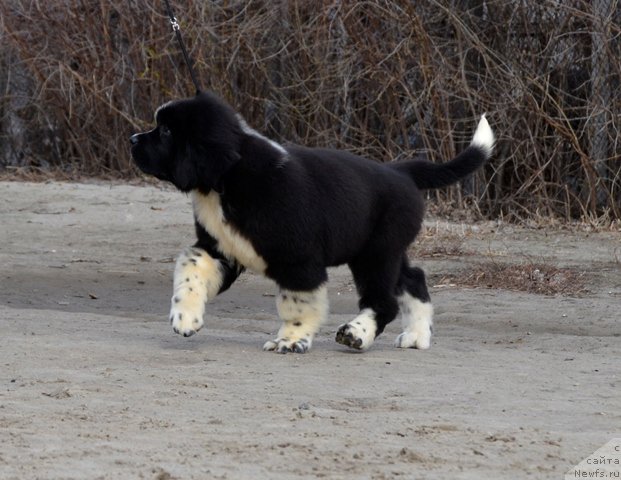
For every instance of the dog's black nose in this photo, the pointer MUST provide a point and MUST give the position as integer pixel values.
(133, 139)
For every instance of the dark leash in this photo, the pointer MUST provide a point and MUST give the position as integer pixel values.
(175, 26)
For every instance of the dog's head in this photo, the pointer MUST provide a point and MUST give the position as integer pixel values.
(195, 142)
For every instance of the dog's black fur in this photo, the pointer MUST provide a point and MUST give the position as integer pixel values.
(302, 209)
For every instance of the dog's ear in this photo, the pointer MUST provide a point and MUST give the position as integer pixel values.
(184, 175)
(203, 166)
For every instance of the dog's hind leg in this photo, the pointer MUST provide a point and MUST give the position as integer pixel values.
(375, 280)
(415, 308)
(302, 314)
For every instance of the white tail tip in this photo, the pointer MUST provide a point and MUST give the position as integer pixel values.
(484, 137)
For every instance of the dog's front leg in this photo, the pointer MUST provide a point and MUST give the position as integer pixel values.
(198, 278)
(302, 314)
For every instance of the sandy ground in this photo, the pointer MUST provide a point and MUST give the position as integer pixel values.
(95, 385)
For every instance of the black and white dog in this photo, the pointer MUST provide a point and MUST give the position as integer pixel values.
(289, 212)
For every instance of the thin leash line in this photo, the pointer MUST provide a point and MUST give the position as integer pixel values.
(175, 26)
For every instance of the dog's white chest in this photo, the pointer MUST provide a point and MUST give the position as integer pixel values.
(208, 212)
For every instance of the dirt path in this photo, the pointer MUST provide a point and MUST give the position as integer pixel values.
(94, 384)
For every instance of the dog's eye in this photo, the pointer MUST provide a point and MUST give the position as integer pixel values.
(164, 131)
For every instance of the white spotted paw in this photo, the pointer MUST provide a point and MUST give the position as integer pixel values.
(360, 332)
(285, 345)
(420, 338)
(353, 336)
(185, 321)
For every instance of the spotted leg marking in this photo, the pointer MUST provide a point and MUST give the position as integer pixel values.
(417, 321)
(302, 314)
(198, 278)
(360, 332)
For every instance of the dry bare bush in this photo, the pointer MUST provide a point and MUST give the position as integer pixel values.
(538, 278)
(386, 79)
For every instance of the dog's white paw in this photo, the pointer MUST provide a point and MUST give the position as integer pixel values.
(360, 332)
(186, 315)
(302, 313)
(286, 345)
(197, 279)
(417, 320)
(414, 339)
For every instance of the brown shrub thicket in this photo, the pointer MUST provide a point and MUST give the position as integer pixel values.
(386, 79)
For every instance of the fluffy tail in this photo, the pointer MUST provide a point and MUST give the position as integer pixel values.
(428, 175)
